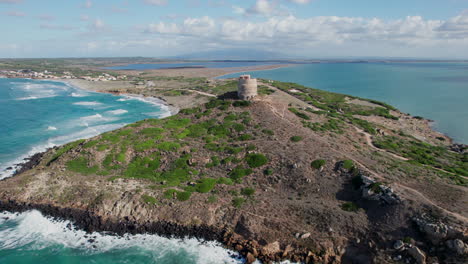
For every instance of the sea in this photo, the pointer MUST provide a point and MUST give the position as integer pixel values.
(199, 64)
(434, 90)
(36, 115)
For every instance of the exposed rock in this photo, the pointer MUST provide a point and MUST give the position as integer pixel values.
(459, 148)
(250, 258)
(272, 248)
(458, 246)
(305, 235)
(435, 231)
(398, 244)
(417, 254)
(376, 191)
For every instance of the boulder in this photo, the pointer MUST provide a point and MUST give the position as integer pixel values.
(417, 254)
(250, 258)
(458, 246)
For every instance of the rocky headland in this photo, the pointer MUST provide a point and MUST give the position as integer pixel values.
(296, 174)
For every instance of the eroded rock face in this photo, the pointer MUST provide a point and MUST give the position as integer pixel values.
(417, 254)
(435, 231)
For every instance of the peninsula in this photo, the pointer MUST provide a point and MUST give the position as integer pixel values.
(288, 173)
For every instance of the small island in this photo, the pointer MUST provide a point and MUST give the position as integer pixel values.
(274, 170)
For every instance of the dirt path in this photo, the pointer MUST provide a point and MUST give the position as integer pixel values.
(371, 144)
(203, 93)
(400, 187)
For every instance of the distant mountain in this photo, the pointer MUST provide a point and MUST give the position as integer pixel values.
(233, 54)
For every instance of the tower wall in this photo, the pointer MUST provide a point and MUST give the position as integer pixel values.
(246, 87)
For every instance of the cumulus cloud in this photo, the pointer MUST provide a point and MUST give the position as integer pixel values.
(300, 1)
(156, 2)
(291, 31)
(265, 8)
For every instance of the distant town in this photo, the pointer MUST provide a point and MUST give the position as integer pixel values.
(103, 77)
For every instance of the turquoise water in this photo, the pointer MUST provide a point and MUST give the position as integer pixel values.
(36, 115)
(40, 114)
(437, 91)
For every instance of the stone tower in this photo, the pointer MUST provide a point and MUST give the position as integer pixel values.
(246, 87)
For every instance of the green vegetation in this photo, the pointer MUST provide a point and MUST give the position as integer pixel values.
(317, 164)
(239, 172)
(183, 196)
(238, 202)
(296, 138)
(80, 165)
(256, 160)
(205, 185)
(268, 172)
(350, 207)
(348, 165)
(426, 154)
(149, 199)
(268, 132)
(299, 113)
(248, 192)
(64, 150)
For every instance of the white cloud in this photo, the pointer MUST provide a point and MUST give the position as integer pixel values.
(292, 33)
(84, 18)
(156, 2)
(265, 8)
(300, 1)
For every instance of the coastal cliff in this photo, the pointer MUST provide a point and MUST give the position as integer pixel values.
(298, 174)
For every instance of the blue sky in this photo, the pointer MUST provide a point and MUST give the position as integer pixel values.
(306, 28)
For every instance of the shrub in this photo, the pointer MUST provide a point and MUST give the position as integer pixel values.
(241, 103)
(375, 187)
(183, 196)
(256, 160)
(317, 164)
(169, 194)
(296, 138)
(348, 164)
(177, 123)
(238, 127)
(239, 172)
(251, 147)
(245, 137)
(268, 132)
(350, 207)
(149, 199)
(268, 172)
(238, 202)
(205, 185)
(248, 191)
(226, 181)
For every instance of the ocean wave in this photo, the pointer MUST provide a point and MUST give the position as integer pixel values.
(117, 112)
(33, 231)
(94, 103)
(150, 100)
(78, 95)
(51, 128)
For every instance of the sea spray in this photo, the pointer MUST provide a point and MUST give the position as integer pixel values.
(30, 234)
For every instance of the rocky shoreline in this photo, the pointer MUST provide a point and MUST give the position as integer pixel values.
(90, 222)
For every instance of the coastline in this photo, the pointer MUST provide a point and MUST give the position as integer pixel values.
(269, 69)
(33, 156)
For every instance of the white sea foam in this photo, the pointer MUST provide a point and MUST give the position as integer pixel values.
(151, 100)
(38, 89)
(32, 231)
(117, 112)
(51, 128)
(78, 95)
(87, 103)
